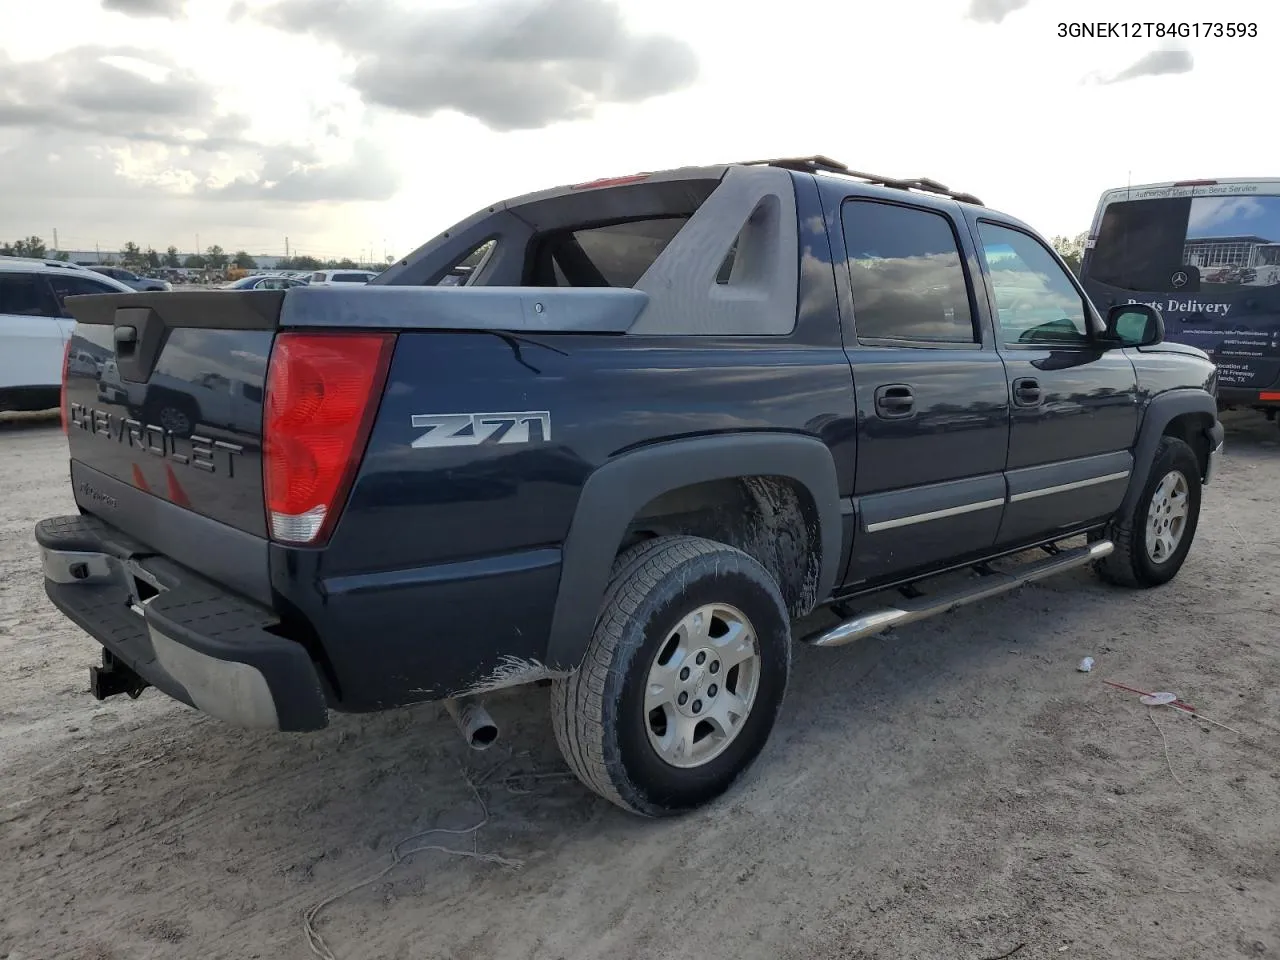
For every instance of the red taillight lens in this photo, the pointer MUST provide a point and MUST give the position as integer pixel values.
(321, 397)
(611, 182)
(66, 369)
(1196, 183)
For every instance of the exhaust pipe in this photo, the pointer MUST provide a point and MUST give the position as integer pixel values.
(474, 723)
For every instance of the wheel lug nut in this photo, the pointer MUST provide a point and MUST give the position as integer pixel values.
(715, 666)
(712, 690)
(701, 658)
(697, 706)
(682, 699)
(684, 674)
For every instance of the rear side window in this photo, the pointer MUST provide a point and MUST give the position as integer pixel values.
(350, 278)
(612, 255)
(25, 295)
(908, 279)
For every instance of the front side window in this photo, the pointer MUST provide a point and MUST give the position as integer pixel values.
(68, 286)
(1035, 300)
(907, 275)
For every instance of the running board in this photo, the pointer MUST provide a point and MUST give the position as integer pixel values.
(986, 585)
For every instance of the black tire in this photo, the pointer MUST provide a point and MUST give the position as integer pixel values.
(1131, 564)
(599, 711)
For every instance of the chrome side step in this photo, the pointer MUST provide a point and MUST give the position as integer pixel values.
(986, 585)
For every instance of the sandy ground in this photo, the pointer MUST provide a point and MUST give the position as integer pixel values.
(952, 791)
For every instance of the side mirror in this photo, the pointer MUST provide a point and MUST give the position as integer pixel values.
(1134, 325)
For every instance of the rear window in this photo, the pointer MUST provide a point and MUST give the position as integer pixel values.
(318, 276)
(612, 255)
(1172, 244)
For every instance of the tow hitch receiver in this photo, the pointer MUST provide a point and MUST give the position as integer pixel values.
(113, 678)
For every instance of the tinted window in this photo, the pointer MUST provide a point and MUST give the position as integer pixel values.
(25, 295)
(907, 276)
(70, 286)
(1035, 299)
(1229, 242)
(350, 278)
(616, 255)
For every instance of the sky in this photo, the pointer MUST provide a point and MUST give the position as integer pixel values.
(362, 128)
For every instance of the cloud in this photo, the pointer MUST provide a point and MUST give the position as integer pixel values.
(292, 174)
(131, 121)
(1210, 212)
(145, 8)
(993, 11)
(1156, 63)
(107, 91)
(511, 64)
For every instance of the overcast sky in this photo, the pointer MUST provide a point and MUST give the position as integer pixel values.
(350, 125)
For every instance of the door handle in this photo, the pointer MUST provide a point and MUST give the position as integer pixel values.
(1026, 392)
(894, 401)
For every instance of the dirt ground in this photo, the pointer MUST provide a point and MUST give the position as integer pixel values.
(952, 791)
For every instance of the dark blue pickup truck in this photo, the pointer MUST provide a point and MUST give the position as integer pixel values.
(618, 437)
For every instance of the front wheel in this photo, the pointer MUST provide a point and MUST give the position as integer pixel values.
(682, 679)
(1153, 539)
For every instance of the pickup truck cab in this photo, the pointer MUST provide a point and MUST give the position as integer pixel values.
(658, 420)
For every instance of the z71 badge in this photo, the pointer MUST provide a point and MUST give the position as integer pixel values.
(474, 429)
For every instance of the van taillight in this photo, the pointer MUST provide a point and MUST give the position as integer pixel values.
(66, 369)
(1196, 183)
(321, 397)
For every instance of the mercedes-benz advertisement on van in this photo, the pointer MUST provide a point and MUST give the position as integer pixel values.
(1206, 253)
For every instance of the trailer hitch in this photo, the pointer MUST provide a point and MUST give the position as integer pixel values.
(114, 677)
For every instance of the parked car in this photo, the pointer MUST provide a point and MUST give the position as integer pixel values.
(326, 278)
(263, 282)
(35, 329)
(131, 279)
(667, 417)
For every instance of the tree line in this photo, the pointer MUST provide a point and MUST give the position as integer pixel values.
(135, 258)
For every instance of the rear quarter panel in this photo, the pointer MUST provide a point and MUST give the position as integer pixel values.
(413, 506)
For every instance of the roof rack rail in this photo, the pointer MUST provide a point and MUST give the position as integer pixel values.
(821, 164)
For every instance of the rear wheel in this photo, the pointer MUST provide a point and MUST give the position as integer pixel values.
(1153, 540)
(177, 415)
(683, 677)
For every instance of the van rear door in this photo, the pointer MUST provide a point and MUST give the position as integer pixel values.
(1208, 257)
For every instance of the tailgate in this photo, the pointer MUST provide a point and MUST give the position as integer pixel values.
(173, 409)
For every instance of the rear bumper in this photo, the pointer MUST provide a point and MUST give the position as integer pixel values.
(1246, 397)
(194, 641)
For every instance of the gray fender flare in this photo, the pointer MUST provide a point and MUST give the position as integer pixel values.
(616, 491)
(1160, 412)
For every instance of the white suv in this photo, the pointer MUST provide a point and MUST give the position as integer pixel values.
(35, 327)
(330, 278)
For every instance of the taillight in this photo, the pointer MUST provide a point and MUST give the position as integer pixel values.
(1196, 183)
(611, 182)
(321, 397)
(66, 369)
